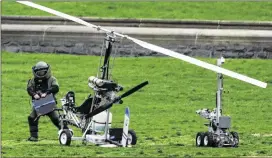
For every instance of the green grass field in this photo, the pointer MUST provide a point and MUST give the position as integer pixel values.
(257, 11)
(162, 114)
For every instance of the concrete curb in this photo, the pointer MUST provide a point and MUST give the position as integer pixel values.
(216, 24)
(142, 31)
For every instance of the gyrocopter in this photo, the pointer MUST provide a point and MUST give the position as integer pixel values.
(93, 116)
(95, 109)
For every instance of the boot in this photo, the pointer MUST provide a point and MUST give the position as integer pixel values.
(32, 139)
(33, 129)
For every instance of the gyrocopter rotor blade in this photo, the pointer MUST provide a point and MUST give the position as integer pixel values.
(154, 47)
(108, 105)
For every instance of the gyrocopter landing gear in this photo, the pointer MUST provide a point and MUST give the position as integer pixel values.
(65, 137)
(218, 134)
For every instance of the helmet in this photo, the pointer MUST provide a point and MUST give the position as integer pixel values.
(41, 70)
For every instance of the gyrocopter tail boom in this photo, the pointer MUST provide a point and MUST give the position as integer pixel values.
(154, 47)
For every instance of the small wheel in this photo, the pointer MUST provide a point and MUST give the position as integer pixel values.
(199, 139)
(65, 137)
(208, 139)
(132, 138)
(235, 141)
(220, 144)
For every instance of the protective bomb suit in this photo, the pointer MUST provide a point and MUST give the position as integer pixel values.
(42, 84)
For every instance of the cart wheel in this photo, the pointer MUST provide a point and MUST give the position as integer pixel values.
(199, 139)
(208, 139)
(65, 137)
(235, 139)
(132, 138)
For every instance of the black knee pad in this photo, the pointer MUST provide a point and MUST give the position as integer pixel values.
(32, 121)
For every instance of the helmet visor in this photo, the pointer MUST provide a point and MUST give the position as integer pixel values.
(41, 72)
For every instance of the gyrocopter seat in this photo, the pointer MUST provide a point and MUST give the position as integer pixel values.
(70, 99)
(85, 108)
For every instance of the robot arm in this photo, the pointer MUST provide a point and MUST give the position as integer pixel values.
(207, 114)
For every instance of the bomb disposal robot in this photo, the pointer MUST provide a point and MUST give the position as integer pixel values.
(218, 134)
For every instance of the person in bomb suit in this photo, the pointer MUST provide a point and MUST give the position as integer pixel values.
(42, 84)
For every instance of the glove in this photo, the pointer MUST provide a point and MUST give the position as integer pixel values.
(36, 96)
(43, 95)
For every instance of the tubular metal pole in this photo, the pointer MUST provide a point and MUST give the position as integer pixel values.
(107, 125)
(218, 93)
